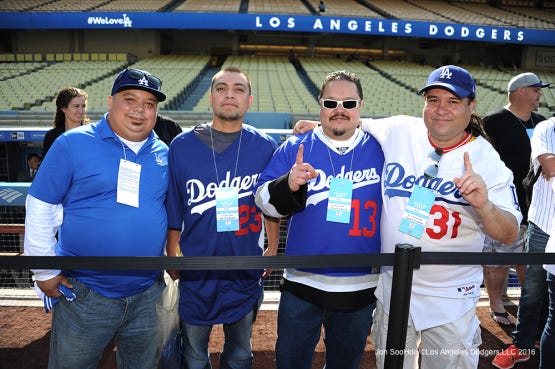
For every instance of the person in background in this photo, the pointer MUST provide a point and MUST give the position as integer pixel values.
(111, 179)
(33, 163)
(544, 138)
(213, 169)
(166, 128)
(450, 172)
(71, 107)
(321, 7)
(534, 292)
(507, 129)
(328, 183)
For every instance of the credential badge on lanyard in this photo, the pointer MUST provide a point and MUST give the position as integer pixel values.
(417, 211)
(339, 200)
(227, 209)
(129, 177)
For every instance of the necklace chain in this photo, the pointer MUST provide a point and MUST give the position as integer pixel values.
(521, 121)
(214, 155)
(329, 153)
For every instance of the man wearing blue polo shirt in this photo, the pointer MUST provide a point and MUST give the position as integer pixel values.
(101, 189)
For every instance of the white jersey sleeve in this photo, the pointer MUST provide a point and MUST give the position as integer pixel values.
(42, 221)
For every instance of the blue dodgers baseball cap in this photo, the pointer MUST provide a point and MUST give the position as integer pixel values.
(453, 78)
(131, 79)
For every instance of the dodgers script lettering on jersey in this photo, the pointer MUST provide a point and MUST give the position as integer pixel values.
(397, 183)
(202, 197)
(318, 189)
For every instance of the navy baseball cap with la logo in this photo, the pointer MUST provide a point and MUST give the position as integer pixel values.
(452, 78)
(136, 79)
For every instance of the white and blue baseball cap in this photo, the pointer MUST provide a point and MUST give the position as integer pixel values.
(452, 78)
(136, 79)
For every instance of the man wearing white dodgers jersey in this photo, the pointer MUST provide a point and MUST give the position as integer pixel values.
(543, 153)
(538, 285)
(473, 194)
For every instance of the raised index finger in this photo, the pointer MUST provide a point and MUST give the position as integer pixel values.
(467, 163)
(299, 159)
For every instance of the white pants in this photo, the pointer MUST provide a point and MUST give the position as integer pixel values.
(452, 345)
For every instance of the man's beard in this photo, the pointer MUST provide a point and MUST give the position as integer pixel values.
(338, 132)
(230, 117)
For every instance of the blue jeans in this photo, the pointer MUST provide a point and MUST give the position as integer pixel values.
(533, 294)
(547, 348)
(299, 326)
(237, 350)
(81, 329)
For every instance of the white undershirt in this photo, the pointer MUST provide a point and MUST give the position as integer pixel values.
(134, 146)
(42, 221)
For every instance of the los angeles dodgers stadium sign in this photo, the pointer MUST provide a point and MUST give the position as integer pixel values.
(277, 22)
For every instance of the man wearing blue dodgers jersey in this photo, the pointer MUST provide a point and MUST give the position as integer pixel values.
(211, 212)
(473, 193)
(111, 179)
(328, 182)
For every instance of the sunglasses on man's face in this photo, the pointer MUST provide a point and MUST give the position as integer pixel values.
(139, 74)
(346, 104)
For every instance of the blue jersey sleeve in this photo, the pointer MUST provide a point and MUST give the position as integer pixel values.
(174, 199)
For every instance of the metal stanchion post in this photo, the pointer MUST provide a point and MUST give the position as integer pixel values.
(407, 258)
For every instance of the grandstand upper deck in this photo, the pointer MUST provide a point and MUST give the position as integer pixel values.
(459, 14)
(531, 18)
(346, 7)
(215, 6)
(133, 5)
(513, 13)
(68, 6)
(400, 9)
(20, 6)
(514, 16)
(278, 6)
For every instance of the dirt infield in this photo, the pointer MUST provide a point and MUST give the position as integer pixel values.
(25, 334)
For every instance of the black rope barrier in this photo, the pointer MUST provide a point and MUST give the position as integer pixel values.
(261, 262)
(193, 262)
